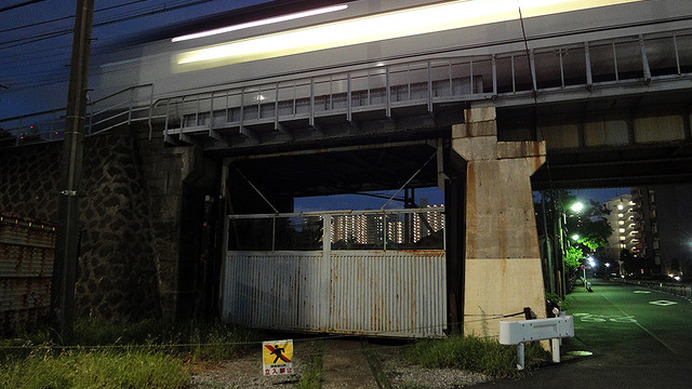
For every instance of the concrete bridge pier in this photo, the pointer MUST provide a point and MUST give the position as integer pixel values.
(503, 272)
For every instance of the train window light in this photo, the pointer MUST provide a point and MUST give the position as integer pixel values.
(389, 25)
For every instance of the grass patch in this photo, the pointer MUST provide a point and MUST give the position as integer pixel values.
(481, 355)
(312, 370)
(196, 340)
(147, 354)
(376, 366)
(94, 369)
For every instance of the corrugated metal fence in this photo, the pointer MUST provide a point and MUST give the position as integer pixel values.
(383, 273)
(27, 248)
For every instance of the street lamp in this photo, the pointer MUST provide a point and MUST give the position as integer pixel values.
(577, 207)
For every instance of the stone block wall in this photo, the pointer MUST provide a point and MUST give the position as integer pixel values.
(117, 274)
(178, 180)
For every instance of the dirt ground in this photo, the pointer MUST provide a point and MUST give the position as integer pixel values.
(344, 365)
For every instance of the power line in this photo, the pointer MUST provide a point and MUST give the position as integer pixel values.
(49, 21)
(157, 9)
(20, 5)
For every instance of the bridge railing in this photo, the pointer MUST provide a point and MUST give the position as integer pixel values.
(383, 88)
(580, 66)
(125, 107)
(252, 110)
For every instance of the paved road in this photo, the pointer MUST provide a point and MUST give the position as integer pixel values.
(639, 338)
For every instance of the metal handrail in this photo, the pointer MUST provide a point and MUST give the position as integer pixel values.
(506, 75)
(19, 133)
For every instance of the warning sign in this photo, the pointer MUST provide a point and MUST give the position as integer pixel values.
(277, 357)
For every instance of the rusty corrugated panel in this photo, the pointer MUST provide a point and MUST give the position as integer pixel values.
(277, 290)
(27, 248)
(392, 293)
(387, 293)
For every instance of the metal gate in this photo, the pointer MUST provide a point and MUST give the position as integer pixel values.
(382, 273)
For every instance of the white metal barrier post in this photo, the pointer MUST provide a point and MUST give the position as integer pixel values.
(553, 329)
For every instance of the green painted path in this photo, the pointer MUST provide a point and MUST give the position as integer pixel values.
(639, 338)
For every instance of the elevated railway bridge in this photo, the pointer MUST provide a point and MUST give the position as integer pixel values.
(485, 107)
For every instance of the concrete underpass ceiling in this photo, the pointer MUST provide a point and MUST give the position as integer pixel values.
(612, 167)
(346, 170)
(605, 166)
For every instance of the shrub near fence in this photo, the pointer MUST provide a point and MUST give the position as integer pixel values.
(27, 248)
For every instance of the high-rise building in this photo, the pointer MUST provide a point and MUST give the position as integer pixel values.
(655, 226)
(647, 217)
(669, 215)
(425, 224)
(624, 222)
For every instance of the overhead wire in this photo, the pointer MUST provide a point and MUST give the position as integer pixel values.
(31, 74)
(24, 4)
(153, 10)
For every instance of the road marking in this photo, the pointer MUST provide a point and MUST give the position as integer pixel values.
(662, 303)
(595, 318)
(642, 291)
(641, 326)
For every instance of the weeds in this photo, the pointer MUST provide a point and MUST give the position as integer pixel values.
(94, 369)
(376, 366)
(482, 355)
(147, 354)
(312, 372)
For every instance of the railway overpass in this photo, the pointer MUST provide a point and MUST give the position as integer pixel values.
(475, 106)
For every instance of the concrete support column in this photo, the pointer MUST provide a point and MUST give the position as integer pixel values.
(503, 265)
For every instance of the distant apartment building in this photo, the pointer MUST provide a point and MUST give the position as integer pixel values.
(369, 229)
(623, 220)
(644, 198)
(654, 223)
(667, 214)
(425, 224)
(357, 229)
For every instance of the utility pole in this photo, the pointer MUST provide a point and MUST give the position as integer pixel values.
(550, 255)
(67, 240)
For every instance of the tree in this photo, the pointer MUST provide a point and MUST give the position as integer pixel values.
(575, 234)
(573, 261)
(591, 226)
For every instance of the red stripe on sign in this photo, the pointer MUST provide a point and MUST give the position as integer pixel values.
(283, 357)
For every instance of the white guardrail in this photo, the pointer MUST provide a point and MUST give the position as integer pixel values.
(519, 332)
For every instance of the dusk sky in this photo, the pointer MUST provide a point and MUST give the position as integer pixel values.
(433, 195)
(36, 41)
(35, 50)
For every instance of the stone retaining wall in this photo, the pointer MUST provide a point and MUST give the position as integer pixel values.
(117, 274)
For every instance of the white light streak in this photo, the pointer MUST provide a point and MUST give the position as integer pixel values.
(262, 22)
(389, 25)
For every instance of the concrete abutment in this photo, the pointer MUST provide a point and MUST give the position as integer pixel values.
(503, 272)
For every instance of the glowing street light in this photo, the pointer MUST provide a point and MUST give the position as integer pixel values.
(577, 207)
(575, 237)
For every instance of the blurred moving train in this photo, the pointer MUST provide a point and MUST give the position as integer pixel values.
(307, 53)
(371, 33)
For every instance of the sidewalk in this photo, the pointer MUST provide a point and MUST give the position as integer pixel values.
(626, 335)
